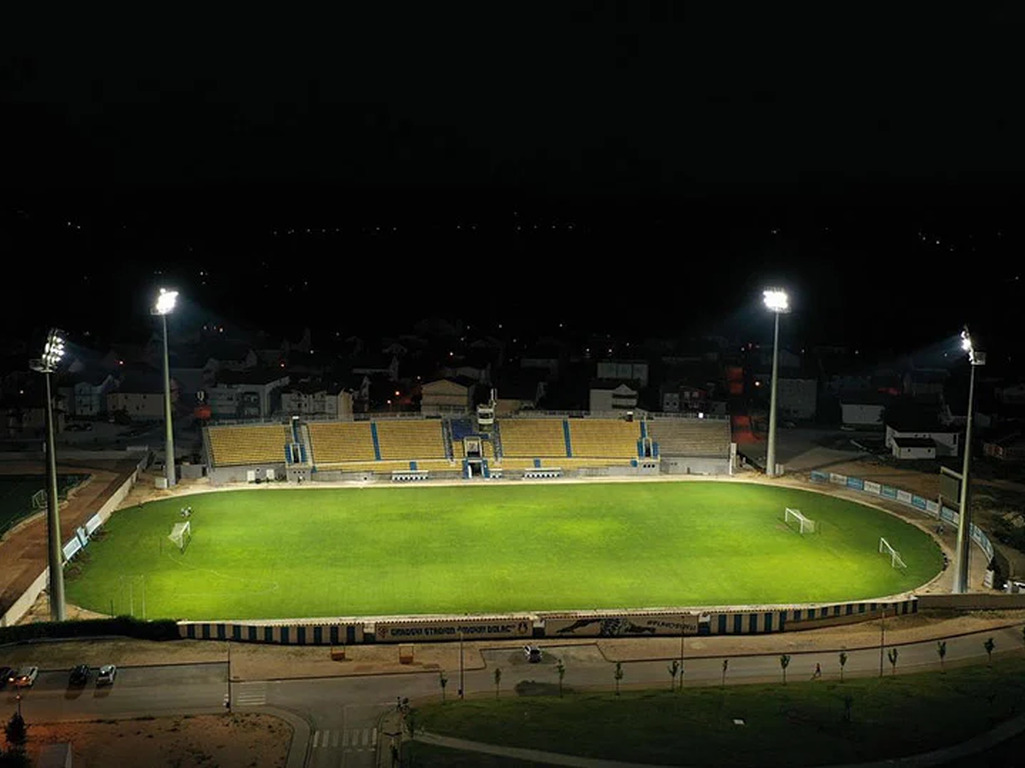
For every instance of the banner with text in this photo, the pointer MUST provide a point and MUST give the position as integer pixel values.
(450, 629)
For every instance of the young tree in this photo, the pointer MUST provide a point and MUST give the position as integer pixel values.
(941, 651)
(16, 732)
(989, 645)
(443, 681)
(618, 674)
(843, 663)
(892, 656)
(784, 662)
(674, 669)
(725, 666)
(498, 680)
(561, 669)
(848, 700)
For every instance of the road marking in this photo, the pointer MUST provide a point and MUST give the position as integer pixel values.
(334, 739)
(366, 737)
(316, 736)
(373, 738)
(345, 738)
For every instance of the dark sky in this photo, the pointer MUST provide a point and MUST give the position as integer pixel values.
(699, 149)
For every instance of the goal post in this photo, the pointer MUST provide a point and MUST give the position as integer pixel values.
(886, 549)
(804, 524)
(181, 534)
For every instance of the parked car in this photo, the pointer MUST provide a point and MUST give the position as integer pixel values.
(533, 653)
(79, 675)
(107, 674)
(24, 677)
(5, 675)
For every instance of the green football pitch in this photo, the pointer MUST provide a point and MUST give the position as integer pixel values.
(279, 553)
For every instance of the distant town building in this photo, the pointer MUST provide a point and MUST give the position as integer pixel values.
(623, 370)
(252, 394)
(903, 436)
(317, 401)
(610, 396)
(863, 410)
(140, 396)
(446, 396)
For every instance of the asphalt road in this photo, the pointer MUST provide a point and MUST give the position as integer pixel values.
(343, 713)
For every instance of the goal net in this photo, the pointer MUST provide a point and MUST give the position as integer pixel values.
(181, 534)
(804, 525)
(886, 549)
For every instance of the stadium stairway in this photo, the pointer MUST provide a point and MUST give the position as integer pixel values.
(377, 443)
(496, 439)
(569, 442)
(447, 436)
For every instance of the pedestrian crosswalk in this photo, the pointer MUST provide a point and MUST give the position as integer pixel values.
(249, 695)
(350, 739)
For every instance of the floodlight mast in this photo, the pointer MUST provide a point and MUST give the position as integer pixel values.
(777, 301)
(165, 305)
(964, 522)
(53, 351)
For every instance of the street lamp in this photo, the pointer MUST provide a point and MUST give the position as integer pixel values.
(53, 351)
(964, 522)
(777, 301)
(163, 307)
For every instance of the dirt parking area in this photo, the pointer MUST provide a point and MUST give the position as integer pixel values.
(226, 741)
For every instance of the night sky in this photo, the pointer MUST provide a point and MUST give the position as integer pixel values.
(502, 159)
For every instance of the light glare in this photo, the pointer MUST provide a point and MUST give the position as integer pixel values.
(166, 301)
(776, 300)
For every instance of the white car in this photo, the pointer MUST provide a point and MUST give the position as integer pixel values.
(533, 653)
(107, 674)
(24, 677)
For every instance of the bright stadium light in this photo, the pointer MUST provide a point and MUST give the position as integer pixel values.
(778, 302)
(53, 351)
(165, 305)
(165, 302)
(964, 521)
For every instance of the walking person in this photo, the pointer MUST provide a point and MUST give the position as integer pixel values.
(818, 672)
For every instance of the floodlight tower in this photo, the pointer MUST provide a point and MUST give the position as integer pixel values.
(777, 301)
(964, 522)
(53, 351)
(164, 306)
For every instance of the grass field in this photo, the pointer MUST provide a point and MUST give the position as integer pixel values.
(278, 553)
(801, 723)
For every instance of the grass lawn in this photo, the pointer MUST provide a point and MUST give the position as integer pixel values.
(273, 553)
(801, 723)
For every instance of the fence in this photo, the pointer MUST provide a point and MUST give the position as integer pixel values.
(928, 506)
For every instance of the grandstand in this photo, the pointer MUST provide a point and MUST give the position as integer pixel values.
(245, 444)
(362, 449)
(604, 438)
(690, 445)
(533, 438)
(336, 442)
(411, 439)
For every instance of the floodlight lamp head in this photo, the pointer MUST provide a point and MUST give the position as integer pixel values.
(776, 300)
(165, 302)
(53, 351)
(975, 357)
